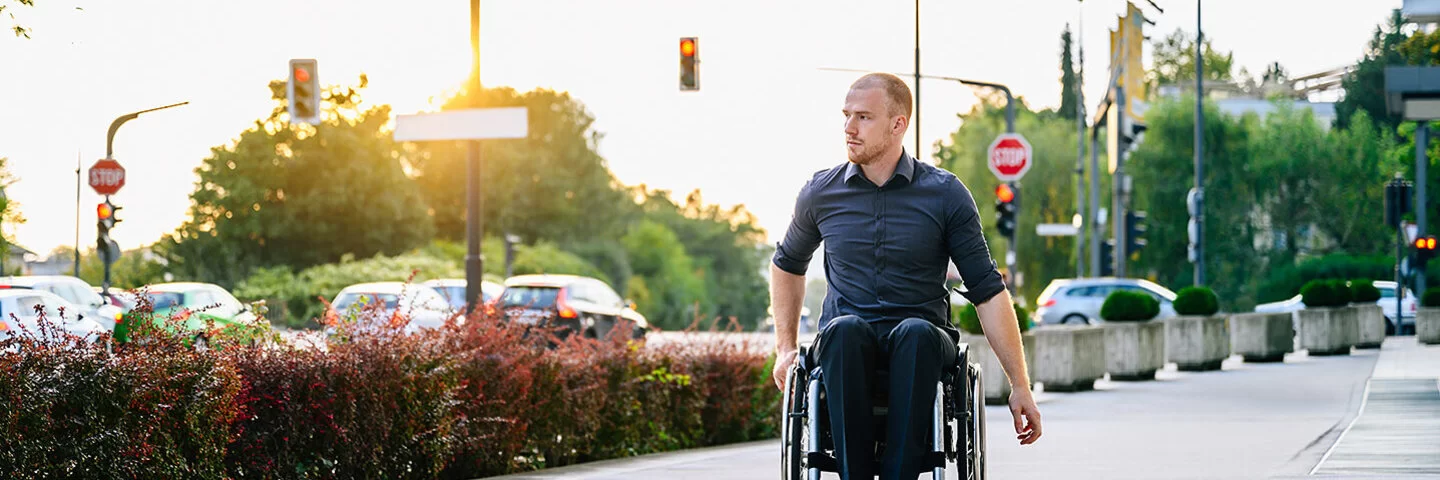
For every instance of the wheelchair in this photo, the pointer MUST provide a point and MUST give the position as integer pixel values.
(957, 432)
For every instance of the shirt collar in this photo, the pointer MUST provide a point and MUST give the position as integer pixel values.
(905, 168)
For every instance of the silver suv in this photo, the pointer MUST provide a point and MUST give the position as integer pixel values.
(1077, 301)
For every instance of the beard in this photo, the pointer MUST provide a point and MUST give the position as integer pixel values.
(869, 152)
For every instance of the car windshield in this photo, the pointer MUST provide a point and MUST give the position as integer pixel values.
(165, 300)
(534, 297)
(453, 294)
(345, 300)
(1387, 293)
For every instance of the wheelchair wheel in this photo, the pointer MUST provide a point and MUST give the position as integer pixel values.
(792, 426)
(975, 428)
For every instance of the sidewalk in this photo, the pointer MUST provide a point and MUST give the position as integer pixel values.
(1398, 429)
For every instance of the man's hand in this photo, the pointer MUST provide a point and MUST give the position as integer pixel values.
(783, 361)
(1026, 414)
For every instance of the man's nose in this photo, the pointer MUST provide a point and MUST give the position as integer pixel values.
(850, 126)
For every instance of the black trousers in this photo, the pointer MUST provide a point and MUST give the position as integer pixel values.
(850, 352)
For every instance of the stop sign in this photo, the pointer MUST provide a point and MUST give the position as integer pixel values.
(107, 176)
(1009, 156)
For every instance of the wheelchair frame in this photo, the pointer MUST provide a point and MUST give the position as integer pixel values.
(805, 444)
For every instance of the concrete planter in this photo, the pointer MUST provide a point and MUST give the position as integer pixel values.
(1069, 358)
(1134, 350)
(1427, 325)
(997, 385)
(1262, 337)
(1371, 322)
(1197, 343)
(1328, 331)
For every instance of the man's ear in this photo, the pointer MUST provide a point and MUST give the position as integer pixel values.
(899, 125)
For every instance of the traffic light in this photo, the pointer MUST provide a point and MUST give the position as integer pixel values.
(1424, 249)
(107, 248)
(1107, 259)
(1397, 201)
(1007, 207)
(1134, 232)
(689, 64)
(303, 91)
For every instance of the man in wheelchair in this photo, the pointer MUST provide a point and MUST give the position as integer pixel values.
(891, 225)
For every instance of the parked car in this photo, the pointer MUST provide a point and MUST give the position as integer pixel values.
(20, 310)
(73, 290)
(195, 304)
(579, 304)
(422, 306)
(453, 289)
(1078, 301)
(1408, 303)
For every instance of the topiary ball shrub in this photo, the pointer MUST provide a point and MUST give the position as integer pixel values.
(1128, 306)
(1431, 297)
(1196, 301)
(1363, 291)
(968, 319)
(1342, 293)
(1317, 293)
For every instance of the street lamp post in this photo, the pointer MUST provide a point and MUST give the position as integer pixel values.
(115, 126)
(474, 262)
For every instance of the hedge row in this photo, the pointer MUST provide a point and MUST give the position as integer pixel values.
(472, 400)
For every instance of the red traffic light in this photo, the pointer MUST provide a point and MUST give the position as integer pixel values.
(1004, 193)
(1425, 243)
(103, 211)
(687, 47)
(301, 74)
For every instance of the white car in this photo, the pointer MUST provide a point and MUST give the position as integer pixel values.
(1078, 300)
(1408, 303)
(21, 308)
(424, 306)
(73, 290)
(453, 289)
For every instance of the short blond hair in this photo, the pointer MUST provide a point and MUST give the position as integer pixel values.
(896, 91)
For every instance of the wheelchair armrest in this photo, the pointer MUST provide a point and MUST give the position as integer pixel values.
(962, 357)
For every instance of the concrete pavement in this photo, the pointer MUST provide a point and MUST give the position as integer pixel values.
(1247, 421)
(1398, 429)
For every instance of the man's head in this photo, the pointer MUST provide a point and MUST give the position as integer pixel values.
(877, 112)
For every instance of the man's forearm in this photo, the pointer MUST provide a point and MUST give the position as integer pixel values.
(1002, 330)
(787, 291)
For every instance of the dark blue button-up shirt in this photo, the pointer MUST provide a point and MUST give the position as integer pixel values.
(888, 248)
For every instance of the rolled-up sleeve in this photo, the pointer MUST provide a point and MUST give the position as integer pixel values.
(801, 239)
(968, 249)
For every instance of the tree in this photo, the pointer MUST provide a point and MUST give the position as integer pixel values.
(1173, 61)
(1365, 85)
(134, 269)
(1162, 167)
(1047, 193)
(1068, 82)
(9, 209)
(300, 195)
(671, 282)
(552, 185)
(20, 30)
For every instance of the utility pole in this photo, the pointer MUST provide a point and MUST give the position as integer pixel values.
(474, 262)
(1199, 149)
(916, 117)
(77, 214)
(1080, 140)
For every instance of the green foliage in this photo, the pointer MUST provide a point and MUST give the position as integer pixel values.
(1129, 306)
(968, 319)
(300, 195)
(671, 280)
(1365, 86)
(1199, 301)
(135, 268)
(1363, 291)
(1173, 61)
(1431, 297)
(1068, 83)
(546, 257)
(1285, 281)
(9, 209)
(551, 185)
(1325, 293)
(1048, 192)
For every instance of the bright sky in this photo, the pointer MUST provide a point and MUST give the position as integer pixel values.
(765, 118)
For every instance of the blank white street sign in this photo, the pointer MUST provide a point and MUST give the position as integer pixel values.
(1056, 229)
(469, 124)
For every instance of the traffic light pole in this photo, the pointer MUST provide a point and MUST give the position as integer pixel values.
(1422, 138)
(1199, 150)
(474, 262)
(115, 126)
(1121, 189)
